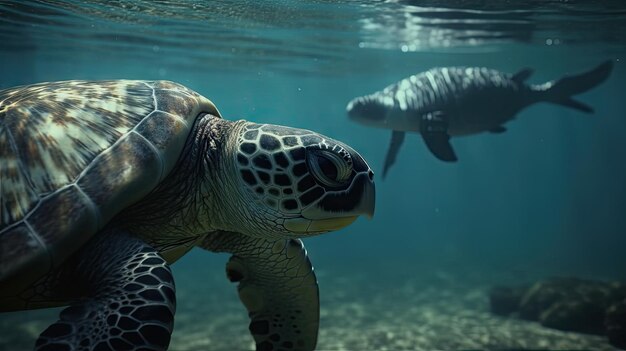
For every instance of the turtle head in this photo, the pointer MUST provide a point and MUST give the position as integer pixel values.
(296, 183)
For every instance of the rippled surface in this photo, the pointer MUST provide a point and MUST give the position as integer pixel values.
(435, 24)
(301, 35)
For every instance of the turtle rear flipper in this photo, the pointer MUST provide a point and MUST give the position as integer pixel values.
(130, 302)
(279, 289)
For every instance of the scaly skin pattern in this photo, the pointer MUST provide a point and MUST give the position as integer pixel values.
(262, 186)
(131, 298)
(278, 287)
(182, 177)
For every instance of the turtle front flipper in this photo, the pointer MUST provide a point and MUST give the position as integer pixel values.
(128, 302)
(279, 289)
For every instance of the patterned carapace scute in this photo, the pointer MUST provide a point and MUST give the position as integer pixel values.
(84, 149)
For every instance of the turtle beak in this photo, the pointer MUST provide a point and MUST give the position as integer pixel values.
(316, 226)
(367, 203)
(321, 225)
(357, 200)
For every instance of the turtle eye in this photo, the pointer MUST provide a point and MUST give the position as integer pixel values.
(329, 168)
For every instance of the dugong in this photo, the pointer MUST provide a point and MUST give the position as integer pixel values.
(453, 101)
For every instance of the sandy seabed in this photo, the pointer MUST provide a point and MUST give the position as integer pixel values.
(439, 311)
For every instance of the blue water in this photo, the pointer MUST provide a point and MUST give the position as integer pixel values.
(548, 197)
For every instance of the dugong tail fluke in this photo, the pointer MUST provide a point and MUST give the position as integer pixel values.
(560, 91)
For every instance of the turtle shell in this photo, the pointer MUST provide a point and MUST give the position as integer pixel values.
(75, 153)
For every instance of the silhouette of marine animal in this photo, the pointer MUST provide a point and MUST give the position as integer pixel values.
(104, 184)
(454, 101)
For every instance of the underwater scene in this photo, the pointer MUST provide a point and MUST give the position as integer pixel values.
(410, 175)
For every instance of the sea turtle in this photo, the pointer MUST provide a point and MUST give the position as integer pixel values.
(453, 101)
(104, 184)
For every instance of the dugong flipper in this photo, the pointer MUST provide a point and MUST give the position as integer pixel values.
(452, 101)
(434, 130)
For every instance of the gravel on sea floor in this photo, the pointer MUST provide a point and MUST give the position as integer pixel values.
(439, 310)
